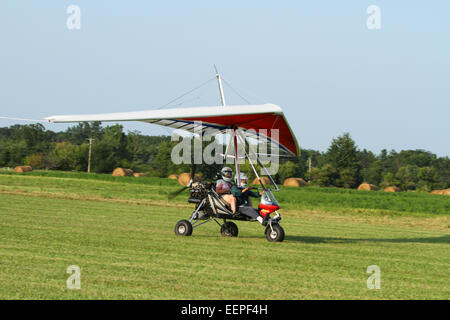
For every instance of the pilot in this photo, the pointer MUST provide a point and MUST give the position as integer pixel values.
(223, 187)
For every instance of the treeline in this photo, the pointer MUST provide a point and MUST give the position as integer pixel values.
(342, 165)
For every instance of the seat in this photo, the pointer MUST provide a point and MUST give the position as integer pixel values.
(220, 204)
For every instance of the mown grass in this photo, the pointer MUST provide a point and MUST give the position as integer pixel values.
(409, 203)
(126, 248)
(157, 189)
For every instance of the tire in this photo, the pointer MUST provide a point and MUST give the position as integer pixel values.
(277, 235)
(229, 229)
(183, 228)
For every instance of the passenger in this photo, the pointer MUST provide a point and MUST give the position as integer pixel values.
(242, 194)
(246, 195)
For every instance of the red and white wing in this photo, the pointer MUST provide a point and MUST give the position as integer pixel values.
(199, 119)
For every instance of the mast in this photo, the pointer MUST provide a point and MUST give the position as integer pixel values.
(219, 81)
(232, 138)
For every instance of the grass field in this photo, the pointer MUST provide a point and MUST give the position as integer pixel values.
(119, 231)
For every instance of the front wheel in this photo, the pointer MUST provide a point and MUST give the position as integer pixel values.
(229, 229)
(275, 234)
(183, 228)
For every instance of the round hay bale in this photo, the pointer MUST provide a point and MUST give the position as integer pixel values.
(392, 189)
(294, 182)
(122, 172)
(21, 169)
(139, 174)
(265, 181)
(367, 187)
(445, 192)
(185, 177)
(173, 176)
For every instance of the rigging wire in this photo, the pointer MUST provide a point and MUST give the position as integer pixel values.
(190, 91)
(185, 101)
(247, 93)
(170, 131)
(235, 91)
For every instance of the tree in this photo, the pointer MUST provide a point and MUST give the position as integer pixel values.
(325, 176)
(442, 166)
(347, 178)
(343, 156)
(317, 160)
(111, 151)
(5, 157)
(407, 176)
(419, 158)
(33, 134)
(162, 164)
(36, 161)
(366, 158)
(287, 170)
(389, 180)
(66, 156)
(374, 174)
(427, 178)
(83, 131)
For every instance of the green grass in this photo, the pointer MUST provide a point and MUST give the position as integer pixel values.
(409, 203)
(157, 189)
(126, 247)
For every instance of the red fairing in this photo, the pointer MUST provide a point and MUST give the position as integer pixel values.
(267, 209)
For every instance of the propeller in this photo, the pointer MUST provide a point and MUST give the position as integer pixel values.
(176, 193)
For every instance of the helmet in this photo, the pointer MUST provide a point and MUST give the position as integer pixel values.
(227, 174)
(242, 176)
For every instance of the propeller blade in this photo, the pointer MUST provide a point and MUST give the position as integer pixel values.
(194, 168)
(176, 193)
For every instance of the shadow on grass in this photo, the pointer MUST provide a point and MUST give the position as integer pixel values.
(309, 239)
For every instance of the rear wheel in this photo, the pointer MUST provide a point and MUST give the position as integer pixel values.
(275, 234)
(183, 228)
(229, 229)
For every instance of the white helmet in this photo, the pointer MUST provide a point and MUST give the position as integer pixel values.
(242, 176)
(227, 174)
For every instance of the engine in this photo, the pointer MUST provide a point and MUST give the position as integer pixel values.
(199, 190)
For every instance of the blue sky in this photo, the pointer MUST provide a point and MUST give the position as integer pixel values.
(318, 60)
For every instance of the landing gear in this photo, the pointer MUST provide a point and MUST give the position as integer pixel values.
(274, 233)
(229, 229)
(183, 228)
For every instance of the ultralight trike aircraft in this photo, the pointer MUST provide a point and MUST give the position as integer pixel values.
(245, 122)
